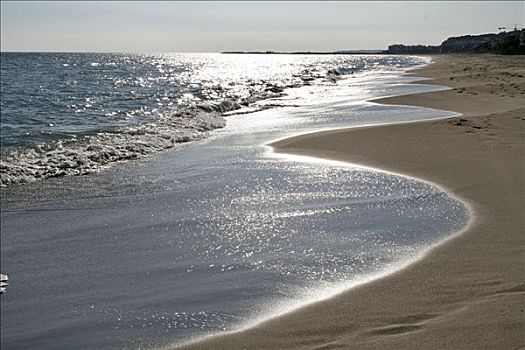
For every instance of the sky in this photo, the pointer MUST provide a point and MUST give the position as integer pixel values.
(216, 26)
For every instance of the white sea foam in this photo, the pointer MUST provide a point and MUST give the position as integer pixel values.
(92, 152)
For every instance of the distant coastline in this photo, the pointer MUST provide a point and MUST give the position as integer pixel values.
(341, 52)
(505, 43)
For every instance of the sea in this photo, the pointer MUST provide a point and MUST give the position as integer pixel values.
(143, 208)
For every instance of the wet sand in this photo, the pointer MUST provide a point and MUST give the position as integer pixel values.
(468, 293)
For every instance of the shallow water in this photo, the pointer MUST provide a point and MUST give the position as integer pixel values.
(214, 235)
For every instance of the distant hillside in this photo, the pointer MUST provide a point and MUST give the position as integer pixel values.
(506, 43)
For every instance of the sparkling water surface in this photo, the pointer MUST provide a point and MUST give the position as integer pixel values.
(71, 114)
(216, 234)
(52, 96)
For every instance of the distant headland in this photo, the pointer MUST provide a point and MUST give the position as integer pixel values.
(505, 43)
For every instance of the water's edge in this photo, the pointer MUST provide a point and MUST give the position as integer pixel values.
(342, 288)
(345, 287)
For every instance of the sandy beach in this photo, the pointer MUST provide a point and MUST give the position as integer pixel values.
(468, 293)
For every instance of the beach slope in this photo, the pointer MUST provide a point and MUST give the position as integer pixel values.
(468, 293)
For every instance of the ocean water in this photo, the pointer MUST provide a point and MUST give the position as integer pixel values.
(71, 114)
(221, 233)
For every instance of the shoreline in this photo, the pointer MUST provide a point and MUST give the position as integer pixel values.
(362, 317)
(360, 282)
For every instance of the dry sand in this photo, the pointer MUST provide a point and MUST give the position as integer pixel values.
(468, 293)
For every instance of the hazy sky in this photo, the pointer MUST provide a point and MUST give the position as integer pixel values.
(218, 26)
